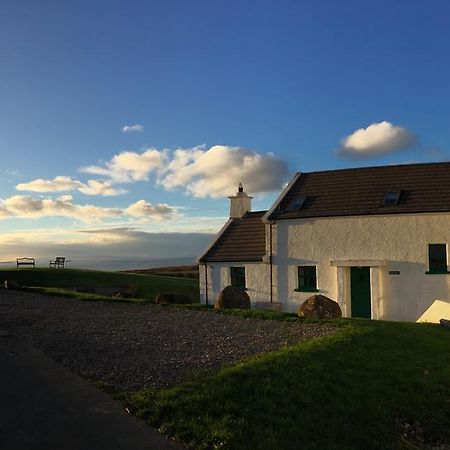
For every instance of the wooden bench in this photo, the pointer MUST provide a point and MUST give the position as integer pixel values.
(25, 262)
(58, 262)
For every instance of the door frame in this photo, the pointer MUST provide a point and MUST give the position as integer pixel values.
(343, 294)
(369, 270)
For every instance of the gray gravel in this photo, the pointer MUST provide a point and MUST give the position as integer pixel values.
(133, 346)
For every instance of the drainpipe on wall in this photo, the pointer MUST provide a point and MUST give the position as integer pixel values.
(270, 261)
(206, 284)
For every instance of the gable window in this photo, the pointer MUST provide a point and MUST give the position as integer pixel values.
(296, 204)
(237, 275)
(391, 198)
(307, 279)
(437, 258)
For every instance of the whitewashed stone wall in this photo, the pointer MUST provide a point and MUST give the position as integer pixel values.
(257, 278)
(401, 241)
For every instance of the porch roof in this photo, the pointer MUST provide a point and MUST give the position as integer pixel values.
(243, 240)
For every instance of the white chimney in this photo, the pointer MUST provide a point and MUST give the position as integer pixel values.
(240, 203)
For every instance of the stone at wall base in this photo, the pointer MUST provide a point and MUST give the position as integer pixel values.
(232, 298)
(319, 307)
(11, 284)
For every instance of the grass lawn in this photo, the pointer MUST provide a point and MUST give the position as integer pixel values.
(371, 385)
(60, 281)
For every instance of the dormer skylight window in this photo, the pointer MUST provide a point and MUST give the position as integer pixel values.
(391, 198)
(296, 204)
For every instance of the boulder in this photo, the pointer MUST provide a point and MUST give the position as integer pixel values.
(172, 298)
(11, 284)
(232, 297)
(319, 307)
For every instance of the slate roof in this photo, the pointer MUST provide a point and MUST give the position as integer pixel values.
(243, 240)
(348, 192)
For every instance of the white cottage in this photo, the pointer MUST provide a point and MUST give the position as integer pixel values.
(373, 239)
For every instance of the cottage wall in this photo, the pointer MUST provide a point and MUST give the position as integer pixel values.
(398, 241)
(256, 277)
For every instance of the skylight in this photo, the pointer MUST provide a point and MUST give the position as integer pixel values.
(391, 198)
(296, 204)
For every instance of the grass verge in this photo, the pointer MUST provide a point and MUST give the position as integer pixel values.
(64, 281)
(67, 293)
(371, 385)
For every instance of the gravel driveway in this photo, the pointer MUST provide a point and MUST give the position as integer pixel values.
(133, 346)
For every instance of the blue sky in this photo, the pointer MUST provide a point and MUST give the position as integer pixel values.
(282, 85)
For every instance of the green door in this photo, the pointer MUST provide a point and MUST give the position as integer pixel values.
(360, 292)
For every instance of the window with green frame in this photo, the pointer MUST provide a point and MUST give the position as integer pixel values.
(237, 275)
(437, 258)
(307, 279)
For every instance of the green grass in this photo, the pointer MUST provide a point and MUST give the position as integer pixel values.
(61, 281)
(68, 293)
(345, 391)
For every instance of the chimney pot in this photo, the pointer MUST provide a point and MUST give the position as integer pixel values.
(240, 203)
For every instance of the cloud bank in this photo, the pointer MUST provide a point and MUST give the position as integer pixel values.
(217, 171)
(132, 128)
(377, 139)
(25, 206)
(110, 244)
(65, 184)
(128, 167)
(200, 172)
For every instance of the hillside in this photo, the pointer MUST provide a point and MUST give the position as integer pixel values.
(147, 285)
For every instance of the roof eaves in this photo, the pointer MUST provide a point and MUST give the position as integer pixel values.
(294, 216)
(219, 234)
(227, 260)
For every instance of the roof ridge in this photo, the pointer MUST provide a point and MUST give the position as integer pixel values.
(384, 166)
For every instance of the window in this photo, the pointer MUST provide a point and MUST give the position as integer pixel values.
(237, 275)
(437, 258)
(307, 279)
(296, 204)
(391, 198)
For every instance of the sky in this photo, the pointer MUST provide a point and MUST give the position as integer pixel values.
(124, 126)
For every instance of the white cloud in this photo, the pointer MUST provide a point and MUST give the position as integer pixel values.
(4, 213)
(213, 172)
(127, 167)
(104, 188)
(145, 209)
(58, 184)
(376, 140)
(216, 172)
(63, 183)
(25, 206)
(131, 128)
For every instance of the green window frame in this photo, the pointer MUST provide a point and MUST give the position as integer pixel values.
(237, 277)
(437, 259)
(307, 279)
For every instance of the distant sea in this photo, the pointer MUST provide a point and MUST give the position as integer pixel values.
(111, 264)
